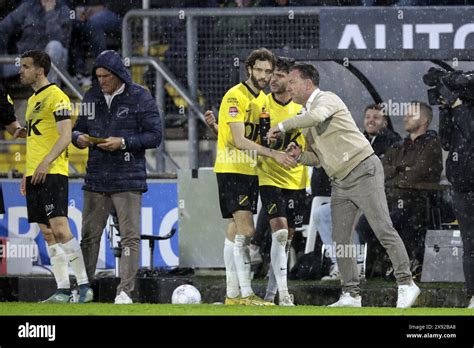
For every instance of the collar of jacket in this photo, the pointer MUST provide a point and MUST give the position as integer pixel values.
(311, 98)
(428, 135)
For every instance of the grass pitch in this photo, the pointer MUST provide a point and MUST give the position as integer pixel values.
(105, 309)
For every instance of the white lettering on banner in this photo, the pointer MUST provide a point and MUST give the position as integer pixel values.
(75, 215)
(380, 42)
(14, 216)
(164, 246)
(170, 258)
(461, 36)
(434, 31)
(352, 35)
(147, 229)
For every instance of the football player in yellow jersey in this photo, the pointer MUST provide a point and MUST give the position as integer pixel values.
(46, 178)
(282, 190)
(235, 169)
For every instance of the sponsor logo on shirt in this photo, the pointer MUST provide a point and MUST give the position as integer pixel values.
(233, 111)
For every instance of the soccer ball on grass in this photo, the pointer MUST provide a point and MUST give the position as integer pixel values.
(186, 294)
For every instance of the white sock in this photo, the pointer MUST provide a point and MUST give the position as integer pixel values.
(272, 286)
(74, 255)
(59, 266)
(279, 260)
(232, 278)
(242, 263)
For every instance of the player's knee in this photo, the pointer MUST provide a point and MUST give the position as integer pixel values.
(48, 235)
(281, 236)
(278, 223)
(60, 228)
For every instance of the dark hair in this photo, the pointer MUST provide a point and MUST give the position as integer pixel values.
(40, 59)
(425, 109)
(260, 54)
(378, 107)
(307, 72)
(284, 64)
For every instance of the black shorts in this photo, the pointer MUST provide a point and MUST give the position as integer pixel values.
(237, 192)
(279, 202)
(47, 200)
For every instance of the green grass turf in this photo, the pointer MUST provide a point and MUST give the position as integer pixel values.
(40, 309)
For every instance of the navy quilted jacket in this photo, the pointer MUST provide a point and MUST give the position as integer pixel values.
(134, 116)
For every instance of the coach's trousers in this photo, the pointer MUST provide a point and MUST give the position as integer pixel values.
(96, 211)
(364, 188)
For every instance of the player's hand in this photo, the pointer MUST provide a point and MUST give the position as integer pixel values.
(273, 134)
(293, 150)
(39, 176)
(210, 118)
(83, 141)
(23, 186)
(20, 133)
(111, 144)
(284, 159)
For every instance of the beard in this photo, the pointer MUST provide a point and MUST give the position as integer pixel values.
(280, 90)
(260, 84)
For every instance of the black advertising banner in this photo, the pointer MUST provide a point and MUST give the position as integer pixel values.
(403, 33)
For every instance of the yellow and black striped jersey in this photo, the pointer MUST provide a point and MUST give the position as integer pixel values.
(45, 107)
(239, 104)
(270, 173)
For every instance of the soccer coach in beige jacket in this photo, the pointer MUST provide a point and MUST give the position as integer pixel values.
(357, 179)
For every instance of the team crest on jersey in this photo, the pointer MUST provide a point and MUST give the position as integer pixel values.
(233, 111)
(122, 112)
(243, 200)
(272, 208)
(37, 107)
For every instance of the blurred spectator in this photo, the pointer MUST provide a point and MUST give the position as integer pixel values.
(378, 129)
(93, 21)
(417, 160)
(42, 25)
(7, 6)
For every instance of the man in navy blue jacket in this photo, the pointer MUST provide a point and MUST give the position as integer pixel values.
(124, 123)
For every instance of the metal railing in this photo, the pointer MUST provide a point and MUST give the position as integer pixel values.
(161, 154)
(204, 43)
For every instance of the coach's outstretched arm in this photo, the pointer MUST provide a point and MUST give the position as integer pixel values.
(307, 158)
(64, 129)
(326, 107)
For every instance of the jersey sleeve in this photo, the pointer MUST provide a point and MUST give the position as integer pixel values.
(233, 108)
(61, 106)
